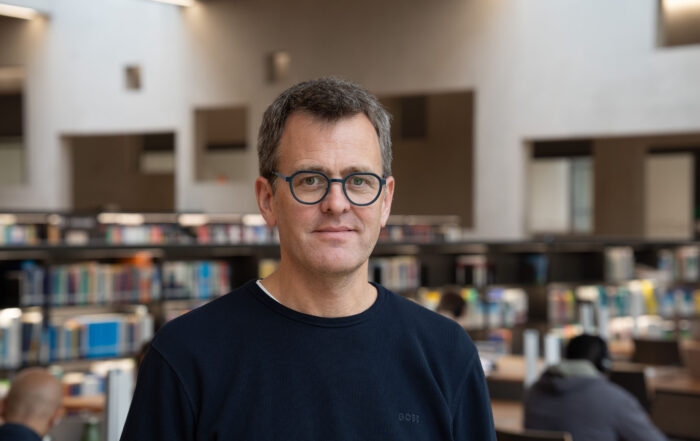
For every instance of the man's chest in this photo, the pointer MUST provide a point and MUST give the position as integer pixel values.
(316, 393)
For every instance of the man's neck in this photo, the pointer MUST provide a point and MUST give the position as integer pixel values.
(322, 295)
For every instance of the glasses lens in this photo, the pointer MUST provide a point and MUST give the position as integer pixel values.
(362, 188)
(309, 187)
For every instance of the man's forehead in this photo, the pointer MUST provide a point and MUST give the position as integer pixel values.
(356, 128)
(349, 144)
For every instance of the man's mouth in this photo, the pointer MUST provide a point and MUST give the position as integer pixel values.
(334, 230)
(340, 233)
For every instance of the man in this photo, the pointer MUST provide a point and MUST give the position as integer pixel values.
(575, 397)
(32, 407)
(314, 351)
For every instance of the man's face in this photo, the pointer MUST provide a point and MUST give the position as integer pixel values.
(333, 236)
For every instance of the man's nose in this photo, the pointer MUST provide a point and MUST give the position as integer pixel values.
(335, 201)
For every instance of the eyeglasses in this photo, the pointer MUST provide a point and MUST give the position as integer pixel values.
(309, 187)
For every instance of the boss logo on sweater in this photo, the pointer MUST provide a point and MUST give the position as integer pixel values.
(407, 417)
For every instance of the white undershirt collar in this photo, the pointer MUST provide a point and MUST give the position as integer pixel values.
(259, 282)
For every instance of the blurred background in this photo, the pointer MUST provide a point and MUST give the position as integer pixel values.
(546, 158)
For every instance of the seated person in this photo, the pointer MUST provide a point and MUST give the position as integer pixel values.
(451, 305)
(32, 407)
(575, 396)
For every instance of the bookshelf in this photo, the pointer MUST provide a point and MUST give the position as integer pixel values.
(146, 268)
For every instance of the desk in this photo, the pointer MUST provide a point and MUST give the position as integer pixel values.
(511, 368)
(676, 379)
(673, 379)
(507, 414)
(95, 403)
(676, 401)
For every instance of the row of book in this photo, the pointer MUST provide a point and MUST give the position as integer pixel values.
(83, 384)
(619, 263)
(472, 270)
(88, 283)
(421, 233)
(10, 338)
(178, 229)
(632, 299)
(674, 266)
(26, 339)
(173, 234)
(98, 336)
(19, 235)
(94, 283)
(400, 273)
(195, 279)
(93, 380)
(499, 307)
(681, 264)
(209, 234)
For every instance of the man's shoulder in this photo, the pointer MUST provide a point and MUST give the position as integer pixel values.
(427, 327)
(616, 393)
(418, 314)
(17, 432)
(211, 320)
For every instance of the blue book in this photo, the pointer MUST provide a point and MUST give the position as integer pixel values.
(53, 343)
(204, 280)
(102, 339)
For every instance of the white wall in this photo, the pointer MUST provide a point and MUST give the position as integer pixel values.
(540, 69)
(75, 85)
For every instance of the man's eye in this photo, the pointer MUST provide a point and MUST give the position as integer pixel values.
(311, 180)
(357, 181)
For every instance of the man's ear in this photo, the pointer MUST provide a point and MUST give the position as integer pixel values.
(387, 199)
(57, 416)
(264, 193)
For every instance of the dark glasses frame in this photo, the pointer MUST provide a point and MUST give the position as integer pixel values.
(382, 183)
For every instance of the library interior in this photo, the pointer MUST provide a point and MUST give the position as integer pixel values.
(546, 156)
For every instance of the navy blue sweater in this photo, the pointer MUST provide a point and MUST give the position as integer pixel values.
(244, 367)
(17, 432)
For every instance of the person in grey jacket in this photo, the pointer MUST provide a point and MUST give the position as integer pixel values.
(576, 397)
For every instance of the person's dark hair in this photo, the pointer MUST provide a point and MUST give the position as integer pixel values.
(452, 303)
(591, 348)
(328, 100)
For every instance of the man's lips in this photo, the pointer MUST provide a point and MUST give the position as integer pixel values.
(334, 230)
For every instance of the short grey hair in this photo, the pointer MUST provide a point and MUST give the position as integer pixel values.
(329, 100)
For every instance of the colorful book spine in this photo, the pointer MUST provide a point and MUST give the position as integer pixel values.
(400, 273)
(10, 338)
(195, 279)
(98, 336)
(93, 283)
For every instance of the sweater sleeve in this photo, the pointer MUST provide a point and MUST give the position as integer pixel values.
(161, 409)
(472, 420)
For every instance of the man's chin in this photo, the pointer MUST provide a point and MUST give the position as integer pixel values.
(334, 265)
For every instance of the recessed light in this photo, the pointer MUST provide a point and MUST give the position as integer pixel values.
(681, 3)
(17, 11)
(178, 2)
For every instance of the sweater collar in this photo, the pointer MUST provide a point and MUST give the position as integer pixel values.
(574, 368)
